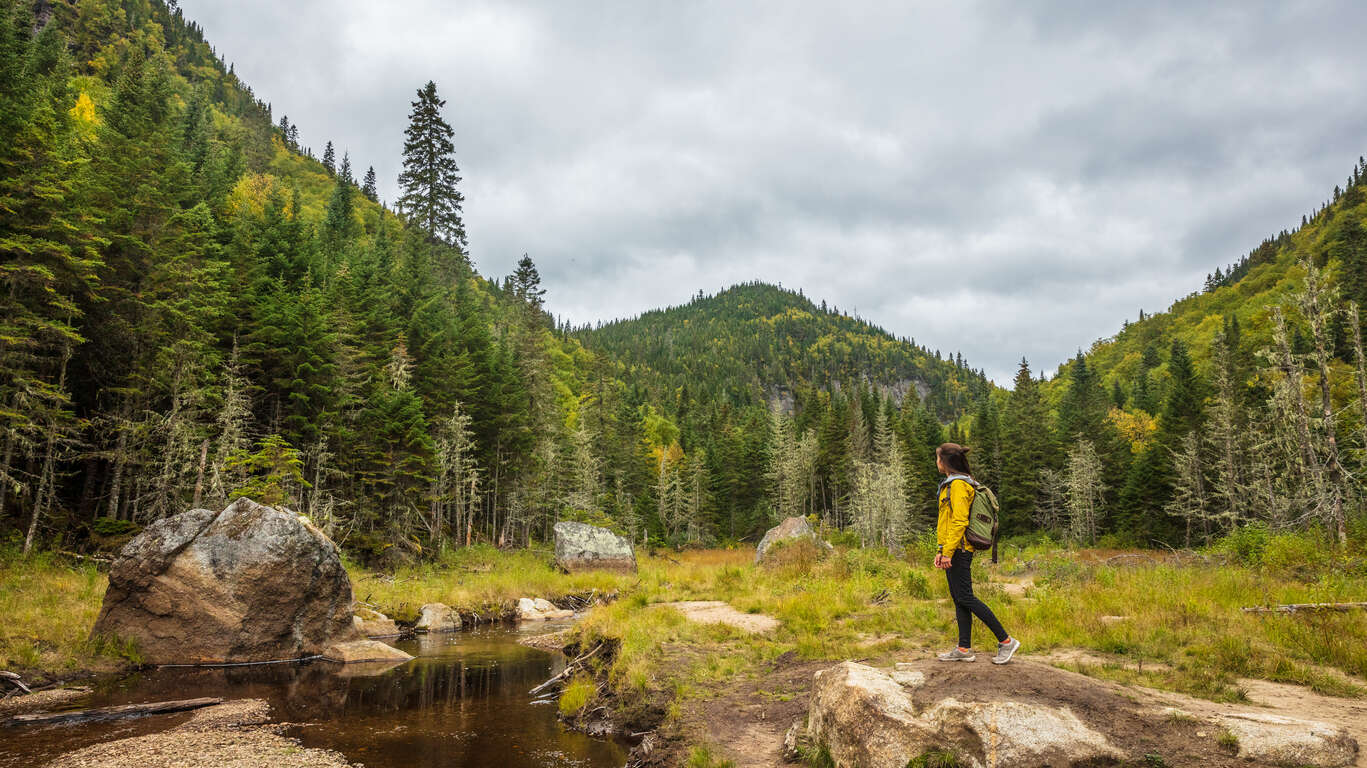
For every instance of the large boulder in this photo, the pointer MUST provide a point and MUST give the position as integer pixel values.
(865, 717)
(582, 547)
(249, 583)
(791, 529)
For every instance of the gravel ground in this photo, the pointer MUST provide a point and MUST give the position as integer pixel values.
(234, 734)
(41, 701)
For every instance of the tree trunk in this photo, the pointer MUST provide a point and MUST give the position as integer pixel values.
(44, 489)
(199, 476)
(7, 469)
(116, 484)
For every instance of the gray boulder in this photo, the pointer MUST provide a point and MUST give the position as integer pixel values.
(438, 617)
(249, 583)
(792, 529)
(582, 547)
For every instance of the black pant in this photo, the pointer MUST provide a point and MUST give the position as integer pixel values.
(966, 604)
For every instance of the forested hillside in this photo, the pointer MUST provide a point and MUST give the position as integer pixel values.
(755, 342)
(196, 307)
(1245, 402)
(796, 408)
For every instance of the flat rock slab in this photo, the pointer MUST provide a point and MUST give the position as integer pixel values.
(358, 651)
(1290, 741)
(717, 612)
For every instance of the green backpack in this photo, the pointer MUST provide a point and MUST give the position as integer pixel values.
(982, 519)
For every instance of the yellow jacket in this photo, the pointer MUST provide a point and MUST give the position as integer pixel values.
(956, 500)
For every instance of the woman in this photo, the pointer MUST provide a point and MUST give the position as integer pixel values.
(955, 556)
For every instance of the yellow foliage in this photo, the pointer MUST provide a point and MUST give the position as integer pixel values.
(1135, 426)
(250, 194)
(84, 110)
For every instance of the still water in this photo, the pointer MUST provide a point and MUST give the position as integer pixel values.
(462, 702)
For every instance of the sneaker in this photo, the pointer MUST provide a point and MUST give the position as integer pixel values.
(1006, 650)
(957, 655)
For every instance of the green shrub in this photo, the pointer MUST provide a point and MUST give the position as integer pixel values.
(1060, 571)
(916, 584)
(845, 538)
(1246, 544)
(1296, 553)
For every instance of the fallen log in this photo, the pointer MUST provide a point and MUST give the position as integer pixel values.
(112, 713)
(1298, 607)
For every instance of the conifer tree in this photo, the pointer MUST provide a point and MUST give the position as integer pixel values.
(429, 178)
(1027, 448)
(330, 159)
(368, 186)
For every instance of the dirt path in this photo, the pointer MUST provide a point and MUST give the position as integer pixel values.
(717, 612)
(1279, 699)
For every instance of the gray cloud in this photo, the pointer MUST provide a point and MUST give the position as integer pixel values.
(1000, 178)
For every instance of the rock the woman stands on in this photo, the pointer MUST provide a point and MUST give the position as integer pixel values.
(955, 556)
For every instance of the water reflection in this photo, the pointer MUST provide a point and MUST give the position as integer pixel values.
(462, 702)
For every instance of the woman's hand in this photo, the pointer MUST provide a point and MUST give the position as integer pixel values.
(942, 562)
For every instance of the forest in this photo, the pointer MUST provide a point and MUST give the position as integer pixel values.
(196, 308)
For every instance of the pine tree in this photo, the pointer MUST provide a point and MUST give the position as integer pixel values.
(368, 186)
(429, 177)
(330, 159)
(339, 222)
(1027, 448)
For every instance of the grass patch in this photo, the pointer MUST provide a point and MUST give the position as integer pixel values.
(481, 578)
(49, 607)
(935, 758)
(577, 695)
(702, 757)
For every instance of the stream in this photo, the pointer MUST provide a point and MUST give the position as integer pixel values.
(462, 702)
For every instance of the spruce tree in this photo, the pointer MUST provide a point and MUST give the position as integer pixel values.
(330, 159)
(368, 186)
(429, 178)
(1027, 450)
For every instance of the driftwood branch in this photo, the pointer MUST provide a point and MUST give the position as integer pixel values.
(92, 558)
(565, 673)
(112, 713)
(13, 678)
(1309, 607)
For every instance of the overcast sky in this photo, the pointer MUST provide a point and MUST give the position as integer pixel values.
(979, 176)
